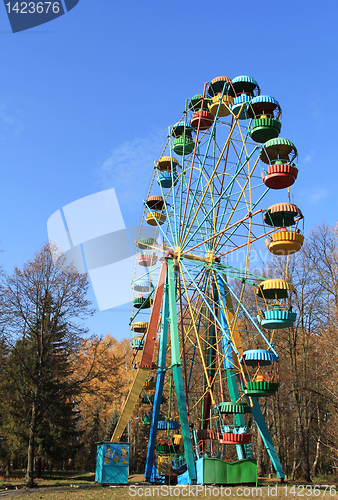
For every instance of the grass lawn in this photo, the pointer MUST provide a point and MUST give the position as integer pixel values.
(80, 485)
(151, 493)
(59, 478)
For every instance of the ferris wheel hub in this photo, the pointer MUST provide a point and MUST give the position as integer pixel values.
(209, 257)
(177, 254)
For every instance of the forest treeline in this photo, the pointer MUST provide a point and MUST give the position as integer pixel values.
(58, 386)
(61, 390)
(302, 416)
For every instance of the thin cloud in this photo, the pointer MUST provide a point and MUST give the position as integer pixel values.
(318, 195)
(130, 166)
(309, 157)
(313, 196)
(9, 122)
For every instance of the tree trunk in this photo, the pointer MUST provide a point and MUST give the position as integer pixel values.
(316, 460)
(8, 467)
(38, 467)
(294, 464)
(305, 462)
(294, 468)
(30, 454)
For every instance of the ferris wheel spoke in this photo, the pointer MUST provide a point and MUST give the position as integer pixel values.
(242, 306)
(238, 274)
(196, 193)
(168, 218)
(208, 183)
(220, 233)
(234, 321)
(198, 340)
(146, 274)
(238, 197)
(187, 240)
(237, 225)
(180, 207)
(251, 238)
(191, 170)
(202, 295)
(198, 222)
(246, 225)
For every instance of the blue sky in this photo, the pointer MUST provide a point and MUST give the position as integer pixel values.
(85, 102)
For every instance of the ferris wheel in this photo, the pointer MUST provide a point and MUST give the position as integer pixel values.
(203, 359)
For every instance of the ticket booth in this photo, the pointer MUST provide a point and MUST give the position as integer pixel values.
(112, 463)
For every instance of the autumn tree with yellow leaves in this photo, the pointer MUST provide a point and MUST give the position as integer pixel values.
(110, 363)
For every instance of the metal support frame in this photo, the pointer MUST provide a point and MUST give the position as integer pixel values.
(162, 354)
(264, 432)
(177, 373)
(253, 402)
(228, 365)
(146, 362)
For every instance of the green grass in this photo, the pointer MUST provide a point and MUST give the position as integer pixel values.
(325, 479)
(65, 485)
(123, 494)
(59, 478)
(150, 492)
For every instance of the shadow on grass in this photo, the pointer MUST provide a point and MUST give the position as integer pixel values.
(58, 478)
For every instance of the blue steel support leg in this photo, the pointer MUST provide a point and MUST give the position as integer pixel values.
(262, 427)
(234, 396)
(194, 436)
(177, 373)
(228, 364)
(159, 383)
(233, 389)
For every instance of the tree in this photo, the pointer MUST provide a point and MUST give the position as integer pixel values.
(323, 254)
(103, 391)
(112, 423)
(301, 417)
(307, 397)
(44, 309)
